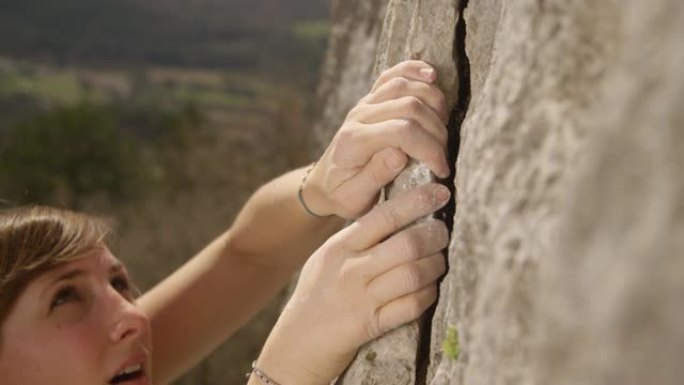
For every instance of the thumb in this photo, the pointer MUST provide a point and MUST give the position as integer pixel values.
(382, 168)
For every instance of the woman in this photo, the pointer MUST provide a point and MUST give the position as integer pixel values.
(67, 312)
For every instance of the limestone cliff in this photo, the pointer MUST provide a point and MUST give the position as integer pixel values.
(566, 262)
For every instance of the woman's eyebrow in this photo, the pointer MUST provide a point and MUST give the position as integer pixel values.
(116, 268)
(70, 274)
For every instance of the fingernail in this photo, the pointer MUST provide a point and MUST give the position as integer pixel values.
(427, 73)
(442, 194)
(395, 162)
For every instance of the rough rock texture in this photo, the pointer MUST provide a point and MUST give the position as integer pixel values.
(412, 30)
(612, 299)
(347, 73)
(419, 30)
(566, 264)
(536, 68)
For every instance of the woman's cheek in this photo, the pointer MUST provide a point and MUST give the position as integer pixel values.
(56, 355)
(80, 345)
(69, 314)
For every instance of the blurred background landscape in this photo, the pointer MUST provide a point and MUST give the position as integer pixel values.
(162, 116)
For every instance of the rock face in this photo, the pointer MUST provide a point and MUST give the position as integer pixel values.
(417, 30)
(536, 70)
(347, 73)
(566, 264)
(611, 309)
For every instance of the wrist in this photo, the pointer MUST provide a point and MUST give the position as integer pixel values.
(312, 195)
(287, 366)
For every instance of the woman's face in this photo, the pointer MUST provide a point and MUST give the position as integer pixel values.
(77, 324)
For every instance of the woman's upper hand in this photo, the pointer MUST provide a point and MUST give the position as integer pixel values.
(403, 116)
(361, 283)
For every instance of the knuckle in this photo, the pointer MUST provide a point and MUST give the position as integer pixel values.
(421, 301)
(329, 251)
(374, 327)
(399, 83)
(431, 296)
(346, 133)
(409, 130)
(366, 99)
(440, 99)
(436, 264)
(349, 272)
(442, 235)
(355, 112)
(388, 217)
(434, 153)
(378, 175)
(413, 105)
(415, 307)
(347, 142)
(444, 135)
(413, 277)
(396, 153)
(404, 126)
(337, 241)
(409, 245)
(382, 79)
(441, 264)
(439, 234)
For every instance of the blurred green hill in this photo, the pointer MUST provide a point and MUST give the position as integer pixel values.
(231, 34)
(162, 116)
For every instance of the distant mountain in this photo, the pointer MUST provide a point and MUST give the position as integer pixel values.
(206, 33)
(263, 13)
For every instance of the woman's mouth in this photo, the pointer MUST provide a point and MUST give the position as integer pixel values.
(130, 373)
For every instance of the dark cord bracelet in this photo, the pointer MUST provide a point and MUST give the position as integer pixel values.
(300, 194)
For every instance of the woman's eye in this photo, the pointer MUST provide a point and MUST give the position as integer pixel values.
(63, 296)
(121, 284)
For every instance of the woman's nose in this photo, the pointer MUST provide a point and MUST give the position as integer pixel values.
(130, 322)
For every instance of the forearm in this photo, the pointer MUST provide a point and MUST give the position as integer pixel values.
(274, 230)
(210, 297)
(356, 287)
(196, 308)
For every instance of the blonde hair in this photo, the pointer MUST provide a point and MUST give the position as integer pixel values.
(34, 240)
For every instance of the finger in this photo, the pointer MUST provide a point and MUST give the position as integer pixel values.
(400, 87)
(407, 107)
(406, 135)
(407, 246)
(412, 69)
(407, 278)
(382, 168)
(404, 309)
(394, 214)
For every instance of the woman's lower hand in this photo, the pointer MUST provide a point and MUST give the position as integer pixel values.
(361, 283)
(403, 116)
